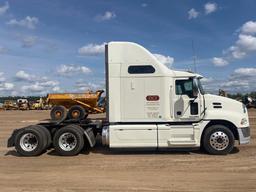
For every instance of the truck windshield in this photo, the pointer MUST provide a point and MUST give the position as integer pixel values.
(200, 86)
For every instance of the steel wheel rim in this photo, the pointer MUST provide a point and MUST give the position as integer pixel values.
(75, 113)
(28, 142)
(67, 141)
(219, 140)
(58, 114)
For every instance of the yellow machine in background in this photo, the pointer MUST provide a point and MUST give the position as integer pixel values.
(10, 105)
(74, 105)
(39, 105)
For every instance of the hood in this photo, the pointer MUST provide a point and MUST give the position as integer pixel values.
(216, 102)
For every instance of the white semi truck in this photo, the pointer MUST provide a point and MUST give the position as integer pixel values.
(148, 106)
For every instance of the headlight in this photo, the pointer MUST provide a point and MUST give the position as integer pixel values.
(244, 121)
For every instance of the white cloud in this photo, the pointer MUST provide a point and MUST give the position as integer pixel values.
(49, 83)
(144, 5)
(28, 22)
(92, 49)
(29, 41)
(236, 53)
(246, 71)
(108, 15)
(23, 76)
(86, 86)
(219, 62)
(241, 80)
(40, 88)
(249, 27)
(247, 42)
(4, 8)
(236, 83)
(2, 78)
(166, 60)
(37, 82)
(6, 86)
(192, 14)
(56, 89)
(33, 88)
(207, 80)
(70, 70)
(210, 8)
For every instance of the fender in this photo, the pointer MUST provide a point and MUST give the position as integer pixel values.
(231, 116)
(90, 136)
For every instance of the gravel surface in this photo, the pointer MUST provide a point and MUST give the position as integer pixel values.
(105, 170)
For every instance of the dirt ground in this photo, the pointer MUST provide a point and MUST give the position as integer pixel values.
(105, 170)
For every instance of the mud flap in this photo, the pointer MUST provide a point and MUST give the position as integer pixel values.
(11, 140)
(90, 136)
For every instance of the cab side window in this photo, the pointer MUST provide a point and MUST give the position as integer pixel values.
(184, 87)
(141, 69)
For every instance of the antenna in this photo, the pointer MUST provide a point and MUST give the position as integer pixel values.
(194, 56)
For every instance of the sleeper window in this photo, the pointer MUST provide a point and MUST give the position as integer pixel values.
(141, 69)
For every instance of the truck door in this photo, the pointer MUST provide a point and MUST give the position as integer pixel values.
(187, 106)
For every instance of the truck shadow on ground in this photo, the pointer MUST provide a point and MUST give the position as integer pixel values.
(106, 151)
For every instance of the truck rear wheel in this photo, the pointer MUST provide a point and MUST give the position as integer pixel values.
(30, 141)
(47, 133)
(77, 112)
(58, 113)
(218, 140)
(69, 140)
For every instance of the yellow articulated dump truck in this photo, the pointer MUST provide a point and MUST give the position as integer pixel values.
(75, 106)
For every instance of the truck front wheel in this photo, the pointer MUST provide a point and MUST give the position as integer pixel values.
(218, 140)
(68, 141)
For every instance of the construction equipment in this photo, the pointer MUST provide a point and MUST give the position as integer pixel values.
(249, 102)
(223, 93)
(23, 104)
(39, 105)
(10, 105)
(74, 105)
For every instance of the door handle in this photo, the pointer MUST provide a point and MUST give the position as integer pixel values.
(132, 85)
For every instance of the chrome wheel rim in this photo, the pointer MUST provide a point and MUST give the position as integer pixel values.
(219, 140)
(67, 141)
(28, 142)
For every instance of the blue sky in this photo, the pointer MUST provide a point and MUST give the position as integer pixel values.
(57, 46)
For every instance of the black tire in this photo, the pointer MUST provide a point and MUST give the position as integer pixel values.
(58, 113)
(36, 135)
(76, 112)
(218, 140)
(68, 140)
(47, 134)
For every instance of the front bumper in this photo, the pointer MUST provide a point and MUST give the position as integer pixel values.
(244, 135)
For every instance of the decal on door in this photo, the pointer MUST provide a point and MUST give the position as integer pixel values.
(152, 106)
